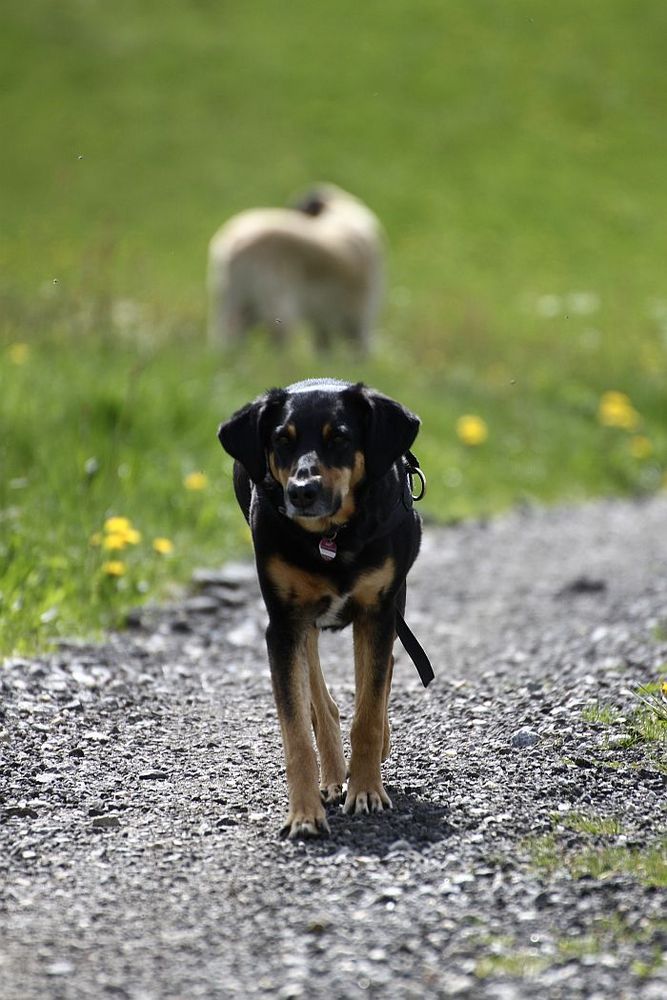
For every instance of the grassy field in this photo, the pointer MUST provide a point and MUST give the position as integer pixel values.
(515, 153)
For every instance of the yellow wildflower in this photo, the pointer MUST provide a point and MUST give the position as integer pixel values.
(114, 567)
(117, 525)
(115, 541)
(471, 430)
(18, 353)
(163, 545)
(119, 533)
(640, 446)
(616, 410)
(196, 481)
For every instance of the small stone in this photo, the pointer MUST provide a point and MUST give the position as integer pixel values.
(153, 775)
(524, 738)
(618, 741)
(400, 846)
(201, 605)
(62, 968)
(227, 596)
(22, 809)
(233, 574)
(108, 822)
(582, 585)
(245, 634)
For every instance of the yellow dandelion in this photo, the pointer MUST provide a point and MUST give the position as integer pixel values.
(196, 481)
(117, 525)
(663, 689)
(132, 536)
(616, 410)
(640, 446)
(471, 430)
(96, 538)
(114, 567)
(163, 545)
(18, 353)
(114, 542)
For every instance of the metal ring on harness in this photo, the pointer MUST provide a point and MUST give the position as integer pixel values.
(422, 479)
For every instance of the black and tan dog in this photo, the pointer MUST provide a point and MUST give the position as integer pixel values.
(322, 477)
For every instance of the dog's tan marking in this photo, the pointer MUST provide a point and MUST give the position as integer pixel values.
(326, 725)
(358, 469)
(355, 475)
(297, 585)
(326, 432)
(386, 736)
(281, 475)
(370, 586)
(290, 430)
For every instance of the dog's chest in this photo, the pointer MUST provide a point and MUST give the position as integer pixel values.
(333, 605)
(337, 613)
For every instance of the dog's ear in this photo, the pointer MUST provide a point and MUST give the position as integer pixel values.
(244, 435)
(390, 428)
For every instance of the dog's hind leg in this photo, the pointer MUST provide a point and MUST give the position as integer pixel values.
(386, 736)
(291, 688)
(373, 641)
(326, 725)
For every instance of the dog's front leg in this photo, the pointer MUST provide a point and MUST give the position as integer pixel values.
(289, 674)
(373, 642)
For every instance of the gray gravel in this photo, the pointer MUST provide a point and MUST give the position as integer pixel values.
(142, 790)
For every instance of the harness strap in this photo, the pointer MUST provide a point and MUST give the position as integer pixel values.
(414, 650)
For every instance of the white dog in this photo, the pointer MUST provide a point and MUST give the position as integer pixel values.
(318, 263)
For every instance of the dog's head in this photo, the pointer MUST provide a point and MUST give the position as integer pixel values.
(320, 440)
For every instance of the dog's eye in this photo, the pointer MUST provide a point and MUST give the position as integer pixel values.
(281, 439)
(339, 437)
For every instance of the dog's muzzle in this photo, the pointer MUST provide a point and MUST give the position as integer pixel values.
(302, 494)
(306, 494)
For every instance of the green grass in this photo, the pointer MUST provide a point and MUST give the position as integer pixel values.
(645, 725)
(593, 858)
(606, 826)
(512, 153)
(607, 715)
(508, 957)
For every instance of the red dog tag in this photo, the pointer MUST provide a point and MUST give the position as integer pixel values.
(327, 548)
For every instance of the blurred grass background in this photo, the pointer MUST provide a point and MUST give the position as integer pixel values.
(515, 153)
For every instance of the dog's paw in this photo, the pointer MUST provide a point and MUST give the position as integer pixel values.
(331, 794)
(305, 826)
(366, 800)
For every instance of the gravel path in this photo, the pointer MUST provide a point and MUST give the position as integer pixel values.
(141, 791)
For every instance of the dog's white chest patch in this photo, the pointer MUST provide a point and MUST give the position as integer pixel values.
(332, 616)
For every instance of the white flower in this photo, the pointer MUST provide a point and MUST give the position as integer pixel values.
(582, 303)
(549, 306)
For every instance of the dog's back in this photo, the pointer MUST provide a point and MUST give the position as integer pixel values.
(319, 262)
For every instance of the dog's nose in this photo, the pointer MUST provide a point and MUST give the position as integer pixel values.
(308, 467)
(303, 493)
